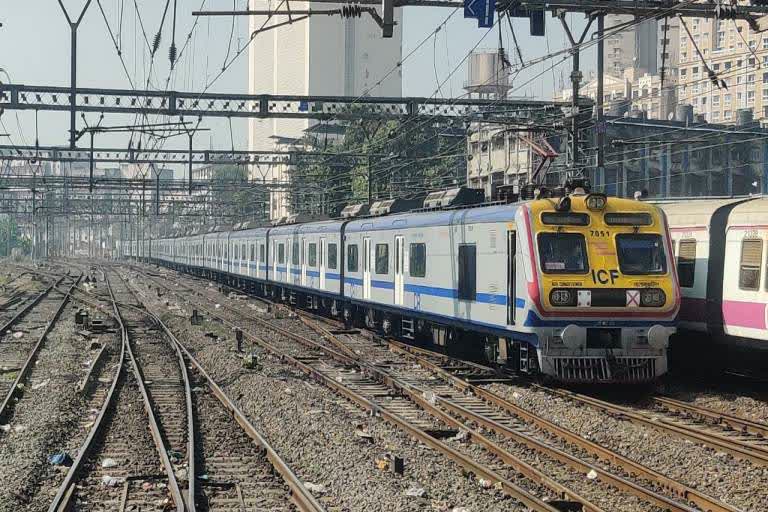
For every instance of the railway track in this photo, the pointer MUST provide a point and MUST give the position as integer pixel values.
(225, 462)
(448, 401)
(23, 337)
(123, 462)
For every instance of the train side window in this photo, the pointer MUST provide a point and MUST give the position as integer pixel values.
(295, 254)
(262, 250)
(749, 269)
(417, 260)
(333, 256)
(352, 258)
(382, 258)
(686, 262)
(281, 253)
(243, 252)
(467, 272)
(312, 255)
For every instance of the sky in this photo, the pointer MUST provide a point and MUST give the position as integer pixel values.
(35, 50)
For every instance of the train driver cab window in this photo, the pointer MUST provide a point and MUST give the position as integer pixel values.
(281, 253)
(333, 256)
(352, 258)
(641, 254)
(467, 272)
(382, 258)
(749, 269)
(295, 254)
(312, 255)
(686, 262)
(417, 260)
(563, 253)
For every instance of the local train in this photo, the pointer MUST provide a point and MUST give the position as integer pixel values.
(580, 287)
(722, 265)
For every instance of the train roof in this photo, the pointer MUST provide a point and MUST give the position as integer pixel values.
(477, 215)
(323, 226)
(694, 212)
(750, 213)
(248, 233)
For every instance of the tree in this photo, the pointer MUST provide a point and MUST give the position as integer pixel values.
(11, 237)
(405, 158)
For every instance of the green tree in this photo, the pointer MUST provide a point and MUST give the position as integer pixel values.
(11, 237)
(406, 158)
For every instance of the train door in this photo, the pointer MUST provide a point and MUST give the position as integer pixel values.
(274, 261)
(303, 262)
(399, 263)
(511, 274)
(321, 263)
(367, 268)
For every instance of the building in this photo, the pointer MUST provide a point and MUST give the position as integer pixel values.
(641, 155)
(497, 157)
(630, 93)
(737, 55)
(634, 48)
(324, 56)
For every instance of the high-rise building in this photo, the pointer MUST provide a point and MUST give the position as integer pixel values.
(632, 48)
(736, 55)
(322, 55)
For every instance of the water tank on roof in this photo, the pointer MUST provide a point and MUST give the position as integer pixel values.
(684, 113)
(487, 74)
(744, 116)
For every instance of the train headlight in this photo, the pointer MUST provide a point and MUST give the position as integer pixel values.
(596, 201)
(658, 336)
(653, 297)
(562, 297)
(574, 337)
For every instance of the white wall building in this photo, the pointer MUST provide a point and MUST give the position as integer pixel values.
(323, 55)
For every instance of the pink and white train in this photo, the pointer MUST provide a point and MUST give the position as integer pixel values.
(721, 248)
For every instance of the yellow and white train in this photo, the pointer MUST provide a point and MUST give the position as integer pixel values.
(581, 288)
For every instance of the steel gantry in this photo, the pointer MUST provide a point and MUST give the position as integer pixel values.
(166, 156)
(192, 104)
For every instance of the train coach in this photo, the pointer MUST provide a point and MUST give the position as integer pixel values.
(722, 262)
(580, 287)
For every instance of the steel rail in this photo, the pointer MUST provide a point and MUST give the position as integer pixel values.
(618, 482)
(20, 314)
(173, 484)
(507, 486)
(60, 501)
(35, 349)
(741, 450)
(416, 394)
(299, 493)
(346, 355)
(679, 489)
(718, 417)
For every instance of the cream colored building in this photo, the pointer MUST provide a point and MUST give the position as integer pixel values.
(738, 56)
(629, 94)
(319, 56)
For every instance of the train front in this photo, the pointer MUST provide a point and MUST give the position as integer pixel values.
(603, 288)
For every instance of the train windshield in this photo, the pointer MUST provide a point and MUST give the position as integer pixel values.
(563, 253)
(641, 254)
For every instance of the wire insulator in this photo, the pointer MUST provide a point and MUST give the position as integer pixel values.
(156, 43)
(351, 11)
(172, 54)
